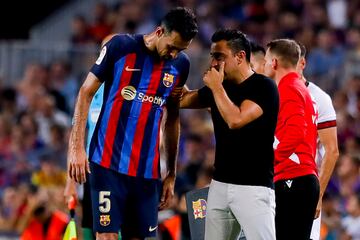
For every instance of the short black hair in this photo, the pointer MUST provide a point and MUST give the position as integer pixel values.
(236, 40)
(302, 49)
(181, 20)
(255, 48)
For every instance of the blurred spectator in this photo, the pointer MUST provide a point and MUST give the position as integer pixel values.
(324, 63)
(80, 33)
(351, 223)
(100, 28)
(49, 175)
(47, 114)
(64, 82)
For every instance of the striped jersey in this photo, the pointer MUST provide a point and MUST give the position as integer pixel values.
(137, 84)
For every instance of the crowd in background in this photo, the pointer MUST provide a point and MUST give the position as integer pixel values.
(35, 113)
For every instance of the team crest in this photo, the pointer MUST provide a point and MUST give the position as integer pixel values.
(199, 208)
(104, 220)
(168, 79)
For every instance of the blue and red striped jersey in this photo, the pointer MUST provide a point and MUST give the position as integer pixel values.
(137, 84)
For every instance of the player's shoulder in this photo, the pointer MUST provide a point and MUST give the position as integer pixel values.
(317, 92)
(181, 62)
(183, 57)
(123, 40)
(264, 79)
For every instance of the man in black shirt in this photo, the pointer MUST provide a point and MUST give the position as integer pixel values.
(244, 110)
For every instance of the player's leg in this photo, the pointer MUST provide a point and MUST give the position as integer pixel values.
(87, 216)
(141, 214)
(220, 223)
(296, 201)
(254, 208)
(108, 193)
(315, 230)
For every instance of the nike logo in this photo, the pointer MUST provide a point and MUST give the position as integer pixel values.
(132, 69)
(151, 229)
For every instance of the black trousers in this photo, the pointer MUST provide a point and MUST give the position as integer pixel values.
(296, 201)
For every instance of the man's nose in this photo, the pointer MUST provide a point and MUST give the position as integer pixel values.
(214, 63)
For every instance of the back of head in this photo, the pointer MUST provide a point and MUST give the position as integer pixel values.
(236, 40)
(302, 49)
(256, 48)
(181, 20)
(287, 51)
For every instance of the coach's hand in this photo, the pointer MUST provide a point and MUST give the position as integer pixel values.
(213, 78)
(167, 192)
(78, 165)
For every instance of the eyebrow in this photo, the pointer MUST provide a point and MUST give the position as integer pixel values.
(216, 54)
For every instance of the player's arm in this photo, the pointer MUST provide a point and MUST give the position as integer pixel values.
(171, 142)
(328, 138)
(78, 164)
(70, 186)
(235, 116)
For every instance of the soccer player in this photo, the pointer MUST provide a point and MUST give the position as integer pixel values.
(296, 181)
(244, 107)
(327, 146)
(139, 73)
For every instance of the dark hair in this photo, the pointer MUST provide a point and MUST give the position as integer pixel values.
(302, 49)
(255, 48)
(236, 40)
(287, 50)
(181, 20)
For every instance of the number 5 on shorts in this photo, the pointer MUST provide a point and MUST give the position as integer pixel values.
(104, 200)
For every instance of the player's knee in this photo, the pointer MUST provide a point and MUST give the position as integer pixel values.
(106, 236)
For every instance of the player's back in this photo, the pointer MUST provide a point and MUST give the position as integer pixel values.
(302, 161)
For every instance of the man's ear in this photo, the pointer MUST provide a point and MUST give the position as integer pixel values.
(274, 63)
(159, 31)
(304, 63)
(240, 56)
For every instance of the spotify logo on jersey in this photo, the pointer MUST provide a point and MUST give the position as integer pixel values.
(128, 93)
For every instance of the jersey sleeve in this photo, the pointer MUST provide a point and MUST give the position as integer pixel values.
(103, 67)
(327, 114)
(184, 72)
(205, 96)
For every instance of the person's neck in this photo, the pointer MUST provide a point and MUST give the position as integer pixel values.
(149, 41)
(302, 77)
(244, 74)
(282, 72)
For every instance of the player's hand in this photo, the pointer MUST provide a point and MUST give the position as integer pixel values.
(79, 165)
(318, 209)
(177, 93)
(70, 190)
(168, 191)
(213, 79)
